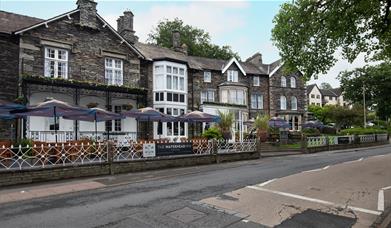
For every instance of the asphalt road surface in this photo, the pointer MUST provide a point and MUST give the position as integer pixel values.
(174, 197)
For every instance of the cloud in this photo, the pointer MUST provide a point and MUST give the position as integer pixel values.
(218, 18)
(341, 65)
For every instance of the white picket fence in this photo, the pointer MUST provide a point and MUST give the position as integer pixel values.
(347, 139)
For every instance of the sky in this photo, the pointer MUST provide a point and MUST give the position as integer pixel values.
(244, 25)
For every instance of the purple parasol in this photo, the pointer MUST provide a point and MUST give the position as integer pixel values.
(277, 122)
(200, 117)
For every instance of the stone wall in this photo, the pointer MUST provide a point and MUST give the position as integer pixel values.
(276, 91)
(9, 67)
(87, 48)
(8, 178)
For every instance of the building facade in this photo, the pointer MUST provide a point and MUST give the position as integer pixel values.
(314, 95)
(321, 97)
(77, 57)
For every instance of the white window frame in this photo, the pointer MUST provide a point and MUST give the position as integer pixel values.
(293, 103)
(293, 82)
(257, 81)
(207, 76)
(117, 76)
(56, 60)
(232, 96)
(207, 95)
(282, 102)
(232, 76)
(283, 81)
(256, 101)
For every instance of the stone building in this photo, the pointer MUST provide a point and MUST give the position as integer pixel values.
(76, 57)
(288, 98)
(79, 58)
(314, 95)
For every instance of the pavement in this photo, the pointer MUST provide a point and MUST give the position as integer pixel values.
(350, 189)
(206, 196)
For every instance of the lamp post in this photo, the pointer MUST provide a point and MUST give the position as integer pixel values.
(365, 113)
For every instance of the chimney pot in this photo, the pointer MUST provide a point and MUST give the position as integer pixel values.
(125, 27)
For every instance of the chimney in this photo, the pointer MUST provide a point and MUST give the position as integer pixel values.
(176, 42)
(125, 27)
(87, 13)
(256, 59)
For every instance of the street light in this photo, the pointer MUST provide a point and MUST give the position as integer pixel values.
(365, 114)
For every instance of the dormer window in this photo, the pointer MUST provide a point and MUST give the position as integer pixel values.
(207, 76)
(283, 81)
(56, 63)
(113, 71)
(232, 76)
(256, 81)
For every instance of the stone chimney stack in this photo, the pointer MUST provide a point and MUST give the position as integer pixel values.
(125, 27)
(256, 59)
(177, 44)
(87, 13)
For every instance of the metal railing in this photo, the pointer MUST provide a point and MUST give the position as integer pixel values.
(66, 136)
(347, 139)
(224, 146)
(48, 155)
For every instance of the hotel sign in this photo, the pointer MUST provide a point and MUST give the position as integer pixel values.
(149, 150)
(165, 149)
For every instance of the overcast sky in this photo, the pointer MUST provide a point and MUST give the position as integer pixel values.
(244, 25)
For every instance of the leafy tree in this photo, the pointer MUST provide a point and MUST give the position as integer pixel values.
(197, 40)
(323, 114)
(325, 85)
(343, 117)
(309, 32)
(376, 81)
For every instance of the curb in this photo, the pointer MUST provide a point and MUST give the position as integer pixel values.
(383, 220)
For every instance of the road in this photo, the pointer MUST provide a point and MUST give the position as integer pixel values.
(171, 198)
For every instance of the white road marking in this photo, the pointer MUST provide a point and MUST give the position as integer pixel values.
(380, 198)
(326, 167)
(358, 160)
(315, 200)
(245, 220)
(312, 170)
(266, 182)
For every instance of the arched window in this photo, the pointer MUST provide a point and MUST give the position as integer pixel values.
(293, 82)
(283, 81)
(283, 103)
(293, 103)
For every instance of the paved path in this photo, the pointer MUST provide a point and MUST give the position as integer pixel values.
(352, 189)
(164, 198)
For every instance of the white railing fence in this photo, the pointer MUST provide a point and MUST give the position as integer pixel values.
(347, 139)
(48, 155)
(224, 146)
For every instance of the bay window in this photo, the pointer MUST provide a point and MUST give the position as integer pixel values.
(233, 96)
(56, 63)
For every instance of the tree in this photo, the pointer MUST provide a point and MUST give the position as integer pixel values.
(261, 123)
(197, 40)
(376, 81)
(225, 124)
(343, 117)
(325, 85)
(308, 33)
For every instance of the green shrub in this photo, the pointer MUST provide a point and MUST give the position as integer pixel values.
(362, 131)
(212, 133)
(26, 145)
(311, 132)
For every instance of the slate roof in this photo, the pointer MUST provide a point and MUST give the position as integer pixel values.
(328, 92)
(153, 52)
(10, 22)
(310, 87)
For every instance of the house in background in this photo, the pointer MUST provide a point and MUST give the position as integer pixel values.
(76, 57)
(314, 95)
(321, 97)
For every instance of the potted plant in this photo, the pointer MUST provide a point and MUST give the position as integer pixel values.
(261, 123)
(225, 124)
(92, 105)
